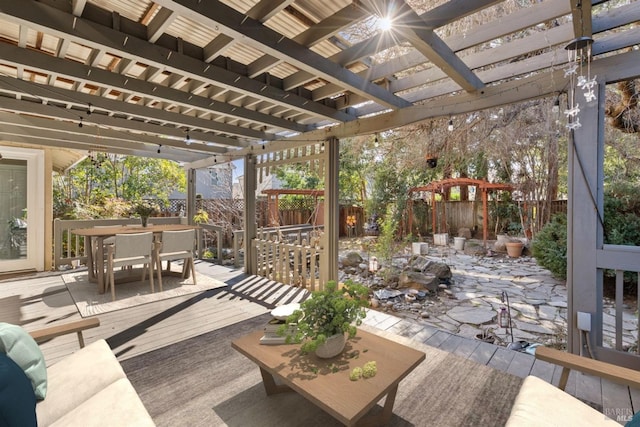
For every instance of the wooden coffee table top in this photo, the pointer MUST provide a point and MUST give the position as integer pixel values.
(325, 382)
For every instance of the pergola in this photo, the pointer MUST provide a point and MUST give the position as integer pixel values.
(202, 82)
(440, 187)
(273, 200)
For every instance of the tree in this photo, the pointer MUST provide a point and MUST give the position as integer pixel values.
(97, 186)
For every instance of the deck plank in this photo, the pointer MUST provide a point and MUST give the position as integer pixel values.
(483, 353)
(450, 344)
(616, 401)
(43, 300)
(501, 359)
(521, 364)
(438, 338)
(466, 347)
(543, 370)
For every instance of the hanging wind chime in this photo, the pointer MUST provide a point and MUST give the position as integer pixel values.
(579, 73)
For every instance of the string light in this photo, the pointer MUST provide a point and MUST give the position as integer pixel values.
(187, 139)
(556, 105)
(89, 109)
(450, 126)
(159, 147)
(80, 124)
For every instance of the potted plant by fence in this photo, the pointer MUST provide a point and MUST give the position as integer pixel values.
(326, 318)
(144, 210)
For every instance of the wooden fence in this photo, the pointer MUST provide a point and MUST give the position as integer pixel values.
(287, 258)
(460, 214)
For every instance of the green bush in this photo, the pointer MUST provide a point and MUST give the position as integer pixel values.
(621, 227)
(549, 247)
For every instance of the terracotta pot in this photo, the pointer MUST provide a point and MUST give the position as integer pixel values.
(514, 249)
(333, 346)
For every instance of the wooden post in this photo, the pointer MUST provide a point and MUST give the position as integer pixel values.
(329, 263)
(584, 230)
(191, 194)
(434, 214)
(485, 217)
(250, 225)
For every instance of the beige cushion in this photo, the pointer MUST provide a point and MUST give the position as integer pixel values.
(116, 405)
(77, 378)
(541, 404)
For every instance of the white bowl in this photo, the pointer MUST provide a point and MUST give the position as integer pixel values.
(284, 311)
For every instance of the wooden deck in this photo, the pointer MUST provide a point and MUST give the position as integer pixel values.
(42, 300)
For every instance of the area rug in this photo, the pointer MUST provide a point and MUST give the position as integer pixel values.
(90, 303)
(202, 381)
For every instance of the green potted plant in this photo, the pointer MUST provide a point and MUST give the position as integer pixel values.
(144, 210)
(326, 318)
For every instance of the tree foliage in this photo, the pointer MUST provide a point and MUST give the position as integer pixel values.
(104, 185)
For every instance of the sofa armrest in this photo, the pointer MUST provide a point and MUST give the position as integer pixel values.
(568, 361)
(45, 334)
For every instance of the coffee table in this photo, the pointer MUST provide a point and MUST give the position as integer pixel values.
(326, 383)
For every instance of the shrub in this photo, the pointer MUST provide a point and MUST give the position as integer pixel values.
(549, 247)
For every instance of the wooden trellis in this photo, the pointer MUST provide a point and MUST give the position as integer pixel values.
(311, 155)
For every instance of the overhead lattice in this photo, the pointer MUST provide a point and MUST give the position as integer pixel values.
(200, 78)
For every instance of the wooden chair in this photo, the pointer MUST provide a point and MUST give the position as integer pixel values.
(176, 245)
(539, 403)
(94, 244)
(128, 250)
(569, 361)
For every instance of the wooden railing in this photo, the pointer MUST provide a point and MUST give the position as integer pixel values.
(286, 256)
(69, 247)
(619, 259)
(203, 241)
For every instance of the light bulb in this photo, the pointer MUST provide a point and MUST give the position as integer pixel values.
(450, 127)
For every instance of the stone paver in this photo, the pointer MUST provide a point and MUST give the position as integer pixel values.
(472, 299)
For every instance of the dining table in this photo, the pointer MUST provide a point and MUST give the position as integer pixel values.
(97, 235)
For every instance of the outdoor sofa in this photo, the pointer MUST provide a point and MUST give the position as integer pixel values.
(87, 388)
(541, 404)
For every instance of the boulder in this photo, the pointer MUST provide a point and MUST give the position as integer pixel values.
(352, 259)
(416, 280)
(440, 270)
(419, 263)
(424, 265)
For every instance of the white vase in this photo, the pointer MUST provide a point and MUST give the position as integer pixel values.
(333, 346)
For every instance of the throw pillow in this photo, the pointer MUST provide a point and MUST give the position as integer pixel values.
(17, 400)
(634, 421)
(16, 343)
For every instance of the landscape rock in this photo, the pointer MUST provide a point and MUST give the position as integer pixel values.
(352, 259)
(415, 280)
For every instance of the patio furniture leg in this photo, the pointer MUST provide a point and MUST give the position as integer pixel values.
(270, 385)
(100, 264)
(383, 417)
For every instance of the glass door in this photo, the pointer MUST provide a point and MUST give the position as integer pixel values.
(21, 201)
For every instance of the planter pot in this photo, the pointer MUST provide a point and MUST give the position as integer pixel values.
(144, 220)
(441, 239)
(333, 346)
(458, 243)
(483, 336)
(514, 249)
(419, 248)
